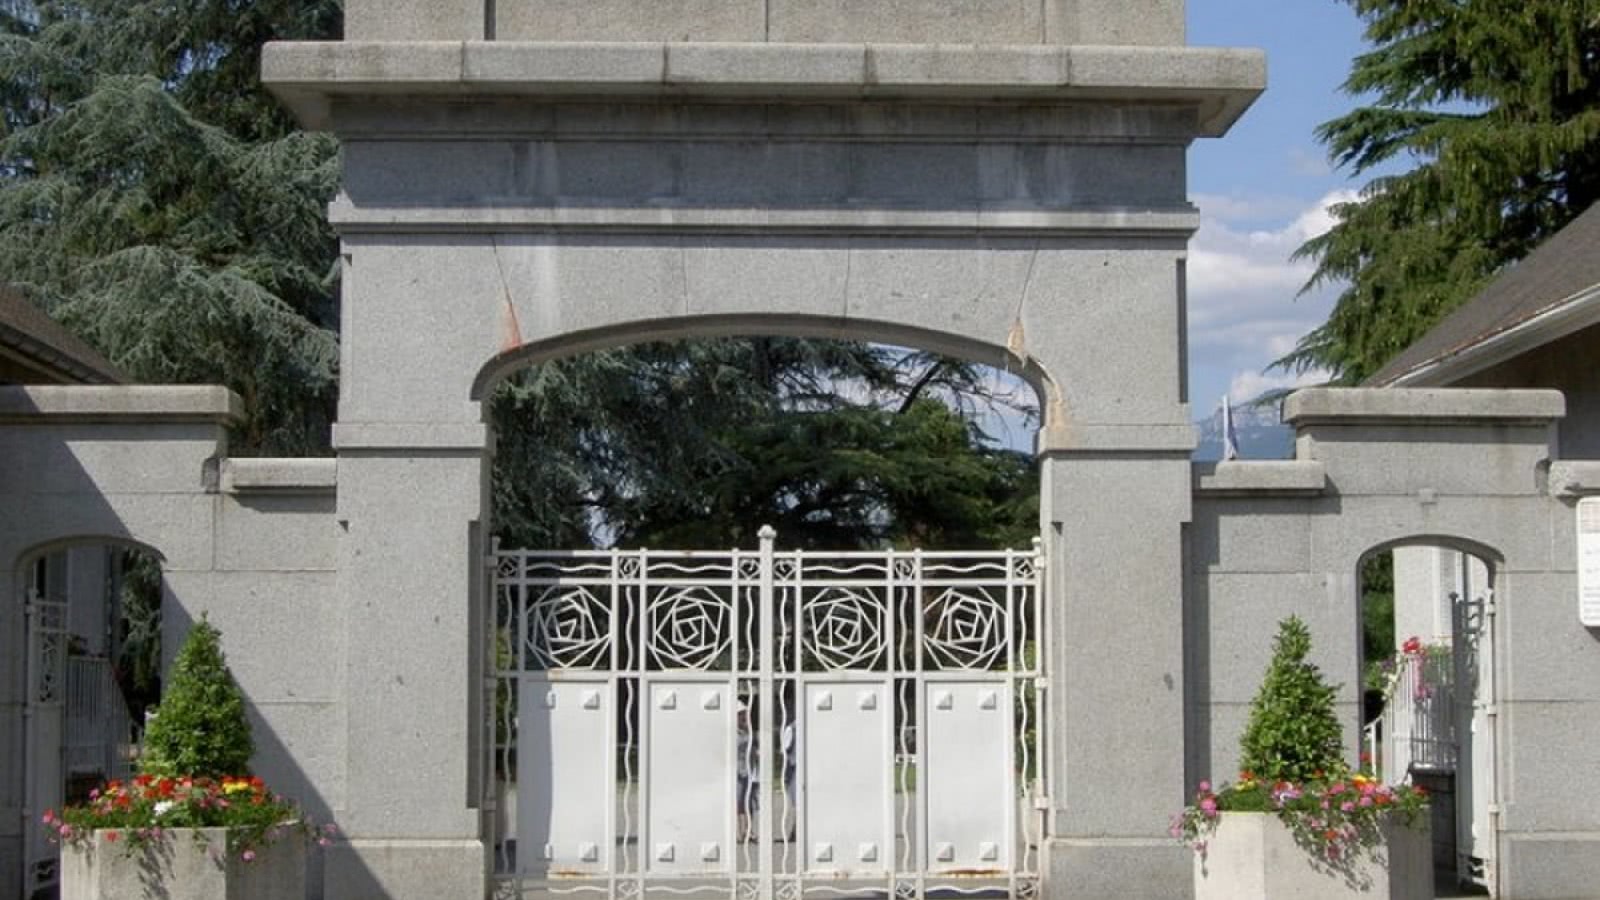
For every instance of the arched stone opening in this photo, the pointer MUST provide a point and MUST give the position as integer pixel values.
(717, 405)
(840, 609)
(954, 344)
(1427, 616)
(90, 654)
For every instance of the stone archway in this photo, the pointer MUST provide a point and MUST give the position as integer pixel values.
(518, 183)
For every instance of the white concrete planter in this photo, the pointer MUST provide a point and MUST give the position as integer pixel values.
(188, 864)
(1253, 856)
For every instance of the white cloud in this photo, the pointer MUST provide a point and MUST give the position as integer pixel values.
(1251, 208)
(1243, 285)
(1250, 384)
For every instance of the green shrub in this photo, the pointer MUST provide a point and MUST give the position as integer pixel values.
(1293, 734)
(200, 728)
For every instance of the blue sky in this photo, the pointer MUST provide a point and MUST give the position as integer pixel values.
(1262, 190)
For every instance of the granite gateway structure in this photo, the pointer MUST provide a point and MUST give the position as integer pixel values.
(1002, 180)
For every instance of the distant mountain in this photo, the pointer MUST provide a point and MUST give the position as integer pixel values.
(1257, 429)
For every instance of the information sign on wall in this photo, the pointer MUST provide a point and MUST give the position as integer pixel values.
(1589, 561)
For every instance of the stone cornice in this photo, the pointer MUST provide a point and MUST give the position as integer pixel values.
(280, 476)
(1277, 478)
(1218, 83)
(1421, 406)
(351, 218)
(130, 404)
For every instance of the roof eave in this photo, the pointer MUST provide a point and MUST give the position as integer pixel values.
(1556, 321)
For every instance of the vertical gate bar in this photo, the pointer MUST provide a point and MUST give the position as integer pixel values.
(489, 709)
(30, 631)
(763, 752)
(1019, 733)
(919, 850)
(614, 680)
(1487, 690)
(795, 593)
(890, 696)
(641, 651)
(1041, 685)
(731, 835)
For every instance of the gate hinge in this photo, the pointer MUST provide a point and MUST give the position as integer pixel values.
(1040, 682)
(1041, 802)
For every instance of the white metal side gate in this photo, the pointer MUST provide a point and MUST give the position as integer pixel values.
(764, 724)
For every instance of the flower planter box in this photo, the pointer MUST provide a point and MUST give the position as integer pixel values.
(186, 864)
(1253, 856)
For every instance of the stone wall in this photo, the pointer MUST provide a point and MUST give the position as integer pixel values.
(776, 21)
(248, 542)
(1463, 469)
(258, 546)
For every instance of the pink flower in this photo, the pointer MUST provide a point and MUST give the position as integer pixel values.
(248, 856)
(1347, 806)
(324, 842)
(1205, 787)
(1209, 807)
(65, 830)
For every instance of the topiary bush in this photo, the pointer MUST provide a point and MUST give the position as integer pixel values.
(200, 728)
(1292, 765)
(1294, 734)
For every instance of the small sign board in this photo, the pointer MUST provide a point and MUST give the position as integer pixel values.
(1589, 561)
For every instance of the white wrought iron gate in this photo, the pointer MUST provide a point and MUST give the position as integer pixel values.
(44, 724)
(764, 724)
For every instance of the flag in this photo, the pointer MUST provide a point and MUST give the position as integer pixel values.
(1230, 439)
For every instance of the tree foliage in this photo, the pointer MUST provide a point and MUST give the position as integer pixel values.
(1497, 102)
(1293, 733)
(157, 201)
(837, 445)
(200, 728)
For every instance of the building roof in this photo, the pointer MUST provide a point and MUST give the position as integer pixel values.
(36, 349)
(1550, 294)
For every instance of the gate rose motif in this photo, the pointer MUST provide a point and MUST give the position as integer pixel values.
(690, 628)
(568, 629)
(843, 629)
(964, 631)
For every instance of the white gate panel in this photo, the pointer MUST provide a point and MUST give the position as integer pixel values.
(688, 790)
(563, 817)
(968, 777)
(893, 719)
(845, 753)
